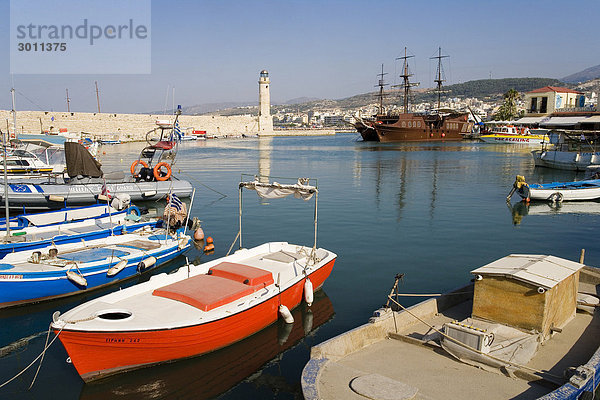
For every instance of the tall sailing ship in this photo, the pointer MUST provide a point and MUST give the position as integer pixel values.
(434, 125)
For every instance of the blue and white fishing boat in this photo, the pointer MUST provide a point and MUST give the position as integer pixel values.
(558, 191)
(72, 268)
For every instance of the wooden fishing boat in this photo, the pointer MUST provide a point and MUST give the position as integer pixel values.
(72, 268)
(510, 134)
(558, 191)
(526, 327)
(198, 308)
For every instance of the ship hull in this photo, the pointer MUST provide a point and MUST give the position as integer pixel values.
(424, 128)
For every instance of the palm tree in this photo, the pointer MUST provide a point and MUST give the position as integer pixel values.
(508, 109)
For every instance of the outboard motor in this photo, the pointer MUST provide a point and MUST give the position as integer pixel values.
(121, 201)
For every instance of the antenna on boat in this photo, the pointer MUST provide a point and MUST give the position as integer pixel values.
(406, 77)
(439, 80)
(7, 214)
(381, 83)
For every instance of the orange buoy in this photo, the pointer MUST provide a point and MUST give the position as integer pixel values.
(209, 247)
(199, 234)
(157, 174)
(209, 240)
(135, 163)
(443, 135)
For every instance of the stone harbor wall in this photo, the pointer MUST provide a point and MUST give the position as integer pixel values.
(125, 127)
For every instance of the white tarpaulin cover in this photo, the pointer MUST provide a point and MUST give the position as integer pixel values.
(277, 191)
(563, 121)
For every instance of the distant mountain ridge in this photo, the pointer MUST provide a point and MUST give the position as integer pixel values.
(583, 76)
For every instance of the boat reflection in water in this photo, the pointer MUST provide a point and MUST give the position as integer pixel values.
(212, 374)
(521, 209)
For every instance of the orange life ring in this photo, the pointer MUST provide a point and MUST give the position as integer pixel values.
(135, 163)
(157, 171)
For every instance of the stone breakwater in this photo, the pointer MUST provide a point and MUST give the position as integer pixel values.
(133, 127)
(125, 127)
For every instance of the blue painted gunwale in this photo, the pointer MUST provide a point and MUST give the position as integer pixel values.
(586, 184)
(40, 286)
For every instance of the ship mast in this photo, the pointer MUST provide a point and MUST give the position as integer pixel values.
(439, 80)
(381, 83)
(406, 77)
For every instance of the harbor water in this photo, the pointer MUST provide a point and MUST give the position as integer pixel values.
(432, 211)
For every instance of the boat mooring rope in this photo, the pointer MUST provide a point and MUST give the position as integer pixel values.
(46, 347)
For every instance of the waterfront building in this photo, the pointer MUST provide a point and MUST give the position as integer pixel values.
(550, 99)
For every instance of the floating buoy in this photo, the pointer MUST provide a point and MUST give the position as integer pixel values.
(443, 135)
(147, 263)
(76, 278)
(286, 314)
(104, 152)
(209, 240)
(199, 234)
(115, 269)
(308, 292)
(209, 247)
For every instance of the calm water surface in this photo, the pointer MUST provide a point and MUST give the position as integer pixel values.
(431, 211)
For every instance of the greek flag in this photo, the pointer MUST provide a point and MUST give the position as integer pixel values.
(175, 202)
(177, 134)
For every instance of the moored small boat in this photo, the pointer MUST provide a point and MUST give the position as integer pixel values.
(198, 308)
(559, 191)
(524, 328)
(71, 268)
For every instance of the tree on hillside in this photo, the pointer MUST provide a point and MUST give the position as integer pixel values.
(508, 109)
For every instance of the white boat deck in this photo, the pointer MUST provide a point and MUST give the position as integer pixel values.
(403, 359)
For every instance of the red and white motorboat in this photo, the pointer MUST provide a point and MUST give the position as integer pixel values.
(197, 309)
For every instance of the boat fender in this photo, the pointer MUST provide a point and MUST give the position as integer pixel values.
(135, 163)
(209, 240)
(199, 234)
(577, 157)
(157, 173)
(36, 256)
(308, 292)
(53, 197)
(147, 263)
(115, 269)
(52, 252)
(286, 314)
(76, 278)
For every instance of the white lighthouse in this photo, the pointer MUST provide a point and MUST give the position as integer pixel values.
(265, 121)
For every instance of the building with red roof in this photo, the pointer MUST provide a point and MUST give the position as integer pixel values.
(551, 99)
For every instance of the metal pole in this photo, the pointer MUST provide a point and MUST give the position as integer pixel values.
(316, 201)
(68, 101)
(7, 214)
(97, 96)
(240, 210)
(14, 113)
(187, 219)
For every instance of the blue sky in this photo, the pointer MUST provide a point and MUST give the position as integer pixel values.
(212, 51)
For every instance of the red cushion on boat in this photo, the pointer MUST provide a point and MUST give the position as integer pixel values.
(163, 145)
(241, 272)
(204, 291)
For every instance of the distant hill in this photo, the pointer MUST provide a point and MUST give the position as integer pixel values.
(583, 76)
(489, 89)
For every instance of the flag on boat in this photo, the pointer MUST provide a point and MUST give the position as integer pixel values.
(105, 191)
(175, 202)
(177, 131)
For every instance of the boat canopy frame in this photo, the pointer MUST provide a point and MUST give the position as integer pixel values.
(272, 190)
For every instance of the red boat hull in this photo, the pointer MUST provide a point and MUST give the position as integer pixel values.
(98, 354)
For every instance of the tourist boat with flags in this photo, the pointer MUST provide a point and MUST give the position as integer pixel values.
(510, 134)
(198, 308)
(71, 268)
